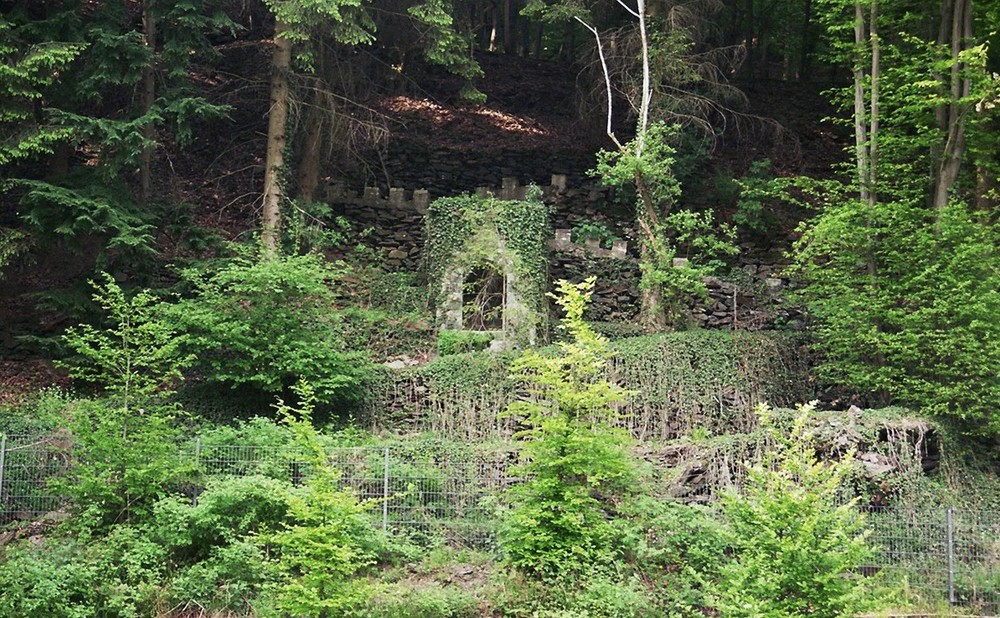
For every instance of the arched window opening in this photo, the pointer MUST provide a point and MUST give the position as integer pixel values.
(483, 299)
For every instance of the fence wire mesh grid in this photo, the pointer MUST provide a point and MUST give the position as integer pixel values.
(945, 560)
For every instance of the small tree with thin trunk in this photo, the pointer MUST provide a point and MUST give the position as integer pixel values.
(678, 245)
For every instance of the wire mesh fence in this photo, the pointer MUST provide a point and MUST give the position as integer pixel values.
(946, 561)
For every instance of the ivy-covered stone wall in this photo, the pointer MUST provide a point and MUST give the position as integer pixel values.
(748, 299)
(707, 381)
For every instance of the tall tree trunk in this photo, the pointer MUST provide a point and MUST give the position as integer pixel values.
(493, 29)
(873, 109)
(805, 49)
(951, 116)
(281, 62)
(749, 33)
(860, 121)
(148, 98)
(510, 26)
(310, 158)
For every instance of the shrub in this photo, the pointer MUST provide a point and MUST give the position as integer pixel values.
(47, 579)
(329, 541)
(678, 549)
(577, 465)
(421, 601)
(118, 576)
(795, 544)
(122, 464)
(459, 341)
(267, 323)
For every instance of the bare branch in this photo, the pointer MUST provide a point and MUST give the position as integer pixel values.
(629, 9)
(607, 77)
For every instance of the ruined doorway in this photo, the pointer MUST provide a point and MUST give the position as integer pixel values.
(484, 298)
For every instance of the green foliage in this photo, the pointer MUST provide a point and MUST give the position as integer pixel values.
(27, 69)
(678, 549)
(46, 580)
(123, 462)
(758, 191)
(124, 455)
(646, 164)
(38, 413)
(921, 328)
(461, 341)
(137, 357)
(596, 596)
(443, 45)
(12, 242)
(217, 547)
(795, 543)
(330, 540)
(229, 581)
(592, 229)
(268, 323)
(577, 466)
(650, 159)
(420, 601)
(347, 20)
(76, 207)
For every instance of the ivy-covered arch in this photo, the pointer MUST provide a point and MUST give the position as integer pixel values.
(469, 232)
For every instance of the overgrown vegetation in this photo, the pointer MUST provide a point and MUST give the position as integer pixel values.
(417, 462)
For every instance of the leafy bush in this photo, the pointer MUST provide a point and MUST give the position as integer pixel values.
(330, 540)
(114, 577)
(228, 510)
(268, 323)
(905, 301)
(39, 413)
(795, 544)
(459, 341)
(136, 357)
(421, 601)
(678, 549)
(229, 580)
(121, 464)
(596, 596)
(48, 580)
(585, 230)
(577, 466)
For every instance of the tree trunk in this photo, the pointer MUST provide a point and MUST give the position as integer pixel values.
(510, 26)
(281, 61)
(951, 116)
(860, 124)
(148, 98)
(805, 49)
(748, 37)
(873, 109)
(309, 160)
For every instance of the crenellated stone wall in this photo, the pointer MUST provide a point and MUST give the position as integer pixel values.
(750, 298)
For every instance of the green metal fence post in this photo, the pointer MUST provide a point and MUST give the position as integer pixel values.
(385, 491)
(3, 463)
(950, 549)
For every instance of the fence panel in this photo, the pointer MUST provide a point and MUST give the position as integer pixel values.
(27, 465)
(948, 559)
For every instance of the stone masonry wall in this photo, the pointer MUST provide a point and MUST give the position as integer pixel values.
(750, 299)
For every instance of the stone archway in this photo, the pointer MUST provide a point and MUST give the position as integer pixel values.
(487, 265)
(513, 321)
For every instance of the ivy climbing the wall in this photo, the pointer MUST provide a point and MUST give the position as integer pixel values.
(707, 381)
(472, 232)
